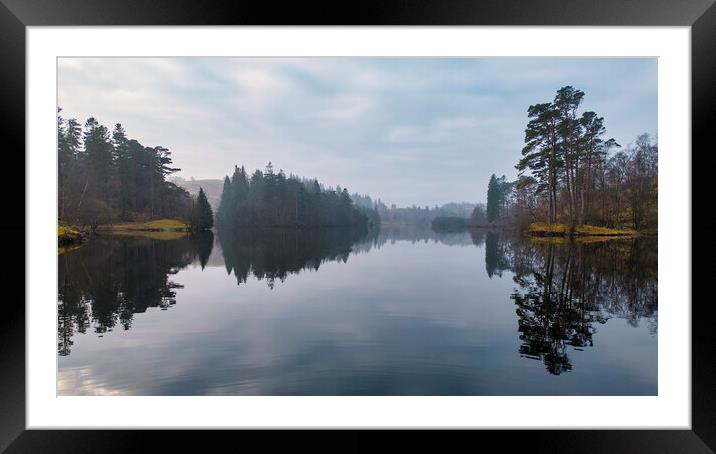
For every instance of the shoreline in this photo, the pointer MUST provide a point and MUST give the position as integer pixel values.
(158, 225)
(539, 229)
(544, 230)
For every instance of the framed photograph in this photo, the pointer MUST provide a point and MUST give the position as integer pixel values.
(458, 216)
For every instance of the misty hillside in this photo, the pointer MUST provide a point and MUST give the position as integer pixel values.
(212, 188)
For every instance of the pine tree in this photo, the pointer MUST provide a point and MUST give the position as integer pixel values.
(98, 164)
(121, 157)
(223, 213)
(569, 130)
(540, 154)
(493, 199)
(203, 218)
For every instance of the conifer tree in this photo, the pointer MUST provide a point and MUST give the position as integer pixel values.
(203, 216)
(493, 199)
(271, 199)
(222, 214)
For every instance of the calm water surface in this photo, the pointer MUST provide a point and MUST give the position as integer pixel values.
(335, 312)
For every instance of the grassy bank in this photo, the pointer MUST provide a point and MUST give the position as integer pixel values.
(562, 230)
(70, 237)
(158, 225)
(577, 239)
(152, 234)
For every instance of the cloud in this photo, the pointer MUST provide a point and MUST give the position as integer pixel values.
(402, 134)
(407, 130)
(344, 107)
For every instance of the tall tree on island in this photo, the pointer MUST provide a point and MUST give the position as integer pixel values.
(540, 155)
(569, 131)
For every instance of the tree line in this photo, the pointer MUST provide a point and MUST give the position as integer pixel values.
(272, 199)
(412, 215)
(570, 173)
(105, 177)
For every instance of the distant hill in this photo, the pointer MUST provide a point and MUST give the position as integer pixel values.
(212, 188)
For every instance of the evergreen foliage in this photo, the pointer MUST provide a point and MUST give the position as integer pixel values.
(271, 199)
(105, 178)
(574, 178)
(202, 214)
(498, 194)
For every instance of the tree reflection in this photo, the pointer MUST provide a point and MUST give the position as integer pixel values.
(496, 254)
(414, 234)
(202, 244)
(108, 280)
(566, 288)
(273, 254)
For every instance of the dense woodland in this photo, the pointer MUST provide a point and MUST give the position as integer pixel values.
(106, 177)
(272, 199)
(569, 172)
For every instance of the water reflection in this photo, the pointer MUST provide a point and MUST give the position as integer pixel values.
(496, 252)
(273, 254)
(566, 288)
(108, 280)
(413, 234)
(405, 310)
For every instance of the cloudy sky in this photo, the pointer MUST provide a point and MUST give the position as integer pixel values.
(406, 130)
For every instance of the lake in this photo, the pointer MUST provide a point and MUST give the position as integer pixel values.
(403, 311)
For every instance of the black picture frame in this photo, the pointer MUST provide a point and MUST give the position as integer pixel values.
(16, 15)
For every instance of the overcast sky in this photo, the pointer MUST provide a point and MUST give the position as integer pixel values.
(406, 130)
